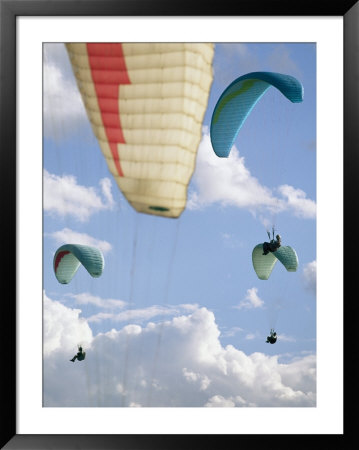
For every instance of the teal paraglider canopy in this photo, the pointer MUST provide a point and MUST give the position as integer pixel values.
(264, 264)
(239, 98)
(69, 257)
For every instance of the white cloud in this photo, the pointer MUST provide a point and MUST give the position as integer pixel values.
(219, 401)
(285, 338)
(228, 182)
(310, 276)
(231, 332)
(299, 372)
(106, 187)
(100, 317)
(140, 315)
(88, 299)
(64, 111)
(250, 336)
(56, 54)
(251, 300)
(63, 196)
(68, 236)
(137, 315)
(297, 201)
(63, 328)
(178, 362)
(202, 380)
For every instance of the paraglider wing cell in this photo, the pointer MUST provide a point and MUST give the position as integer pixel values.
(263, 264)
(238, 100)
(288, 257)
(69, 257)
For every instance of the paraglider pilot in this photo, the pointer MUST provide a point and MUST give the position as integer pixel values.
(272, 339)
(80, 355)
(273, 245)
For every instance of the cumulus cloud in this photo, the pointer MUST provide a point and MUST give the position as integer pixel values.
(63, 328)
(251, 300)
(68, 236)
(310, 276)
(228, 182)
(63, 109)
(297, 201)
(202, 380)
(106, 187)
(299, 372)
(63, 196)
(55, 53)
(176, 362)
(220, 401)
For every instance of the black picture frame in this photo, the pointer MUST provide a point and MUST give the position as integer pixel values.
(9, 10)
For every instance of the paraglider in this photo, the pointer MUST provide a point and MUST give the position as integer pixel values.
(146, 103)
(69, 257)
(238, 100)
(265, 256)
(272, 338)
(80, 355)
(232, 109)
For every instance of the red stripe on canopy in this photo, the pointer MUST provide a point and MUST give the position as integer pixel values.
(59, 257)
(108, 70)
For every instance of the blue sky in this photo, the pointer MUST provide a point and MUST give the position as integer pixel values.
(179, 317)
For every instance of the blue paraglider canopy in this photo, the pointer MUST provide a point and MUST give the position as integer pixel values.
(239, 98)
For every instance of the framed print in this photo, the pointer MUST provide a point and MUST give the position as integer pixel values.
(157, 163)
